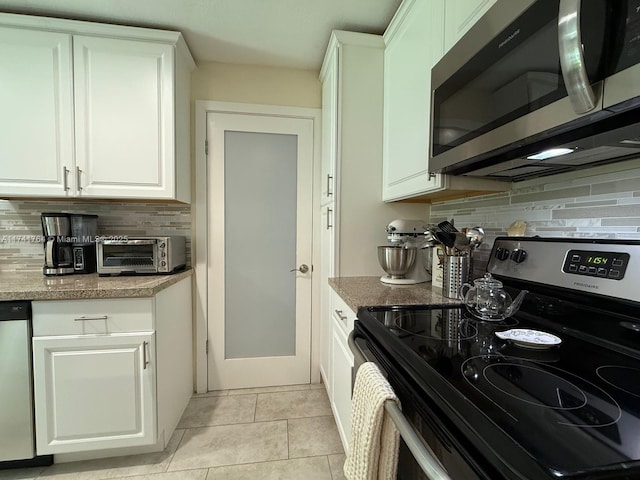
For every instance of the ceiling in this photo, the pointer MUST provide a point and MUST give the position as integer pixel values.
(283, 33)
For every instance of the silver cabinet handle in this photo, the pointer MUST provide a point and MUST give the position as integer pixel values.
(329, 178)
(304, 268)
(572, 63)
(65, 178)
(145, 355)
(340, 315)
(84, 317)
(78, 182)
(329, 214)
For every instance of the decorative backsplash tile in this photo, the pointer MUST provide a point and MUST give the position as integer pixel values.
(21, 247)
(601, 203)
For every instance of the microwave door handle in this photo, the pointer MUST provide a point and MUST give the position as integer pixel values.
(572, 61)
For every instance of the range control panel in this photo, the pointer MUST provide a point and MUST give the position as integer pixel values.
(596, 264)
(600, 266)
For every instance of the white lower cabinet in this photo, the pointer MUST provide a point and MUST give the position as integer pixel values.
(111, 374)
(94, 392)
(341, 320)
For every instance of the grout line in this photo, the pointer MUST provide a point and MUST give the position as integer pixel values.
(288, 443)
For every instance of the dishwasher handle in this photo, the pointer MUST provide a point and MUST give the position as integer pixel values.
(423, 455)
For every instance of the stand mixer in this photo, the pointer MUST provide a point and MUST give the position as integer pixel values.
(407, 258)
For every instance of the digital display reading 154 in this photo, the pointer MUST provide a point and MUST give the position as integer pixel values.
(596, 260)
(611, 265)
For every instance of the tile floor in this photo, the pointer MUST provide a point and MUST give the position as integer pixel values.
(274, 433)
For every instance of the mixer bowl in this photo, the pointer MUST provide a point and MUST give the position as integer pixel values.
(396, 260)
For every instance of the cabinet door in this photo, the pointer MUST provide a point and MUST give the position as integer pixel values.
(342, 365)
(329, 127)
(94, 392)
(124, 110)
(460, 16)
(410, 53)
(36, 124)
(327, 270)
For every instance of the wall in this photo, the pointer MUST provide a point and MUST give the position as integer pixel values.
(602, 202)
(21, 248)
(256, 84)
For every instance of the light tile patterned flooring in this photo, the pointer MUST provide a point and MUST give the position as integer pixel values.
(273, 433)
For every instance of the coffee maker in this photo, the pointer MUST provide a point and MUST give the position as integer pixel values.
(84, 230)
(69, 243)
(58, 245)
(408, 256)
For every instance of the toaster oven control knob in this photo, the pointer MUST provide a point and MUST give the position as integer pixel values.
(163, 263)
(502, 253)
(163, 254)
(518, 255)
(161, 244)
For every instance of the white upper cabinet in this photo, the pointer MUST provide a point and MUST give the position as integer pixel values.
(414, 44)
(132, 81)
(94, 111)
(36, 118)
(460, 16)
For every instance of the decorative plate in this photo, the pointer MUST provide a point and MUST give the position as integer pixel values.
(524, 337)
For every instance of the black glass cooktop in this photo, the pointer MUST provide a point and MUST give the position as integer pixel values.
(572, 408)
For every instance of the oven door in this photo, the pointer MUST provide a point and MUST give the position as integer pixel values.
(427, 451)
(132, 255)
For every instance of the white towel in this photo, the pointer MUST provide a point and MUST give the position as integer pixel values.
(373, 450)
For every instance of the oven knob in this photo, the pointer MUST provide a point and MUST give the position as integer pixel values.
(163, 254)
(163, 263)
(502, 253)
(518, 255)
(162, 245)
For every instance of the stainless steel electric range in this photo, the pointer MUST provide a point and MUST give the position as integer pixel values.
(492, 409)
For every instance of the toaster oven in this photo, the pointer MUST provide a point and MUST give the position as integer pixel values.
(140, 255)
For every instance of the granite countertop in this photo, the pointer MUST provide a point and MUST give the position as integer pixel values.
(36, 286)
(370, 291)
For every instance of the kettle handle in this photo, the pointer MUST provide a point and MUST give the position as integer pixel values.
(462, 292)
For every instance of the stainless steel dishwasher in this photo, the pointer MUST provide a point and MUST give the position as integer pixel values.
(16, 388)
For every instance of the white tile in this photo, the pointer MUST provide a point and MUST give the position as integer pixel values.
(276, 406)
(313, 436)
(231, 445)
(211, 411)
(311, 468)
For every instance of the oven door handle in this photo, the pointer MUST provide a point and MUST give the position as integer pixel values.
(423, 455)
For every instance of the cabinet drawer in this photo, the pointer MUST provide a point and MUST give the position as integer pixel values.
(86, 317)
(341, 313)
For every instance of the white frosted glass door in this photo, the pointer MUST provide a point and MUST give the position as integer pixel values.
(260, 233)
(260, 242)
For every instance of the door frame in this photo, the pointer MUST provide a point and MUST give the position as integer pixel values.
(200, 225)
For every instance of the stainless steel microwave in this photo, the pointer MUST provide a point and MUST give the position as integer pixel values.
(140, 255)
(537, 88)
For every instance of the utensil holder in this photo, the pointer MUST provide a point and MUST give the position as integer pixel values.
(457, 270)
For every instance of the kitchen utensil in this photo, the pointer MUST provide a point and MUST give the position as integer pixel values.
(487, 300)
(447, 239)
(456, 271)
(396, 260)
(447, 226)
(475, 236)
(461, 242)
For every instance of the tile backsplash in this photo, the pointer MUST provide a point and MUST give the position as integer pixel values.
(21, 247)
(603, 202)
